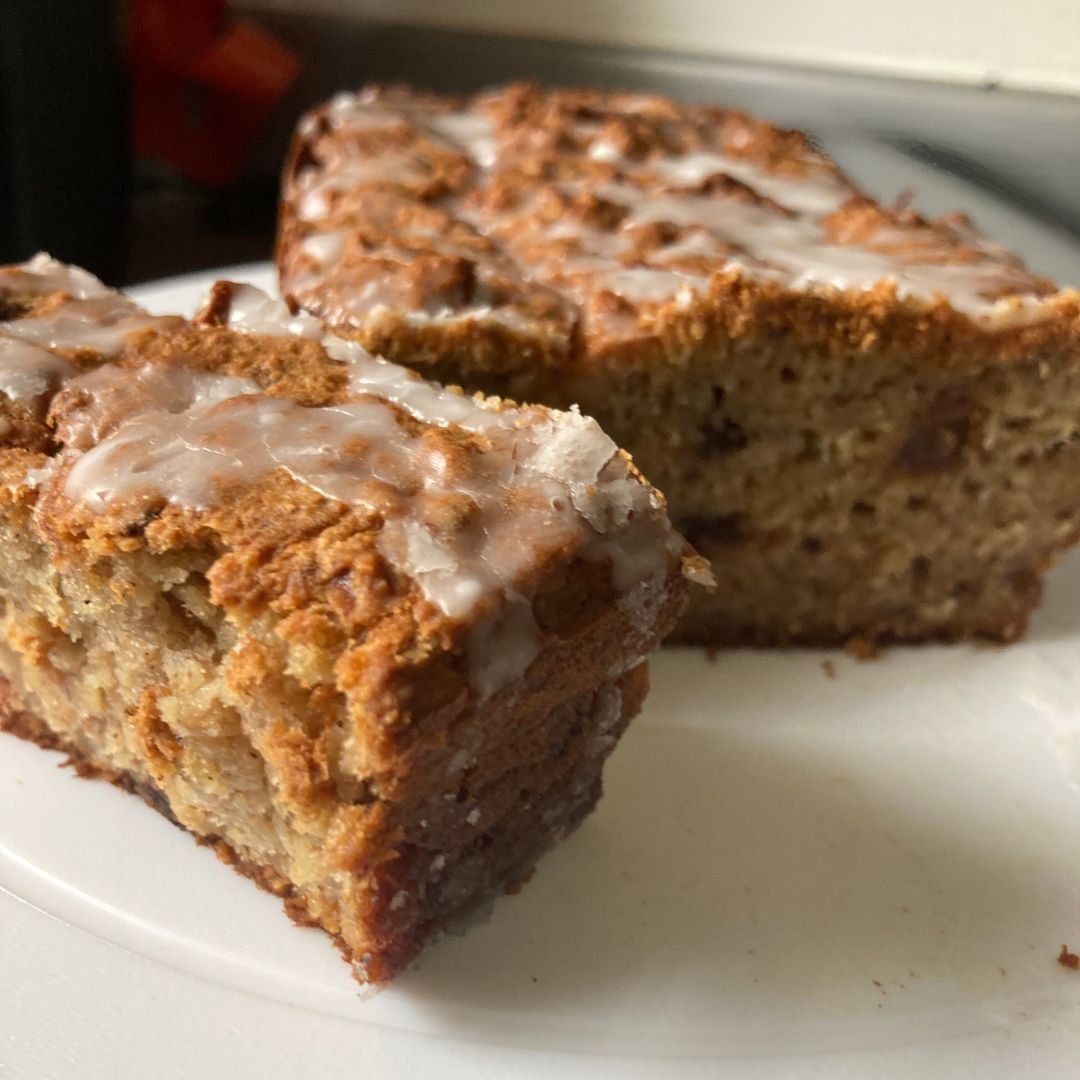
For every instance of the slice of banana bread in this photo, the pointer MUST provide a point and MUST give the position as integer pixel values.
(869, 421)
(371, 638)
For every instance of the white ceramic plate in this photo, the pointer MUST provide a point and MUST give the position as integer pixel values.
(793, 873)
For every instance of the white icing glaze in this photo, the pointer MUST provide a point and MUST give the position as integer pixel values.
(468, 527)
(121, 397)
(471, 132)
(426, 401)
(357, 453)
(191, 447)
(788, 245)
(501, 650)
(510, 317)
(602, 150)
(101, 323)
(27, 371)
(317, 187)
(769, 244)
(791, 250)
(43, 274)
(324, 247)
(787, 249)
(374, 294)
(360, 112)
(252, 311)
(652, 285)
(812, 195)
(93, 317)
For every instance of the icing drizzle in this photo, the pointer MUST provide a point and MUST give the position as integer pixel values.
(581, 211)
(468, 519)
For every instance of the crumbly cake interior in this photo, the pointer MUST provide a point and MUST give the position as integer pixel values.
(865, 418)
(874, 500)
(371, 638)
(138, 692)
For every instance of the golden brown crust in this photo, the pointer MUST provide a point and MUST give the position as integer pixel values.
(280, 552)
(483, 253)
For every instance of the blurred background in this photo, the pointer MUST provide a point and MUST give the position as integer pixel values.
(142, 139)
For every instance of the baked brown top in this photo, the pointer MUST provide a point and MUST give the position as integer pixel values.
(335, 496)
(586, 221)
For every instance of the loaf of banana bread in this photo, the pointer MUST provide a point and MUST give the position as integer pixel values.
(869, 421)
(370, 638)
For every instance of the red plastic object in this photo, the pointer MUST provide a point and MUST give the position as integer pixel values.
(202, 86)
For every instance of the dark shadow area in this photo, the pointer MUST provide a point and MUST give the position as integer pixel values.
(760, 893)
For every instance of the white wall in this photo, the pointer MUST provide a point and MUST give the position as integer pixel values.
(1031, 44)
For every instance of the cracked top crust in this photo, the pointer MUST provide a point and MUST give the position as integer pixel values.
(333, 496)
(584, 225)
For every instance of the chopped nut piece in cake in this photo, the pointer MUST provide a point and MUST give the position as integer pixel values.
(868, 420)
(370, 637)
